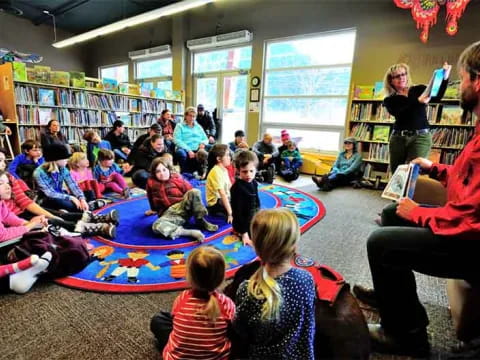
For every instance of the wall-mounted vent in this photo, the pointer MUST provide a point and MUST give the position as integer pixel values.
(235, 38)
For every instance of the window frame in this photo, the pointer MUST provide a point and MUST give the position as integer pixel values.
(100, 68)
(154, 79)
(282, 125)
(240, 71)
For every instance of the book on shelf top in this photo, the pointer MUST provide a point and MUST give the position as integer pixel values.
(381, 132)
(363, 92)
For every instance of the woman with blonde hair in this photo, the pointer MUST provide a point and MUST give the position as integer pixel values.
(275, 307)
(201, 315)
(410, 137)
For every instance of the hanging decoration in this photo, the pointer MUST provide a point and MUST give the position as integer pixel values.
(425, 13)
(7, 55)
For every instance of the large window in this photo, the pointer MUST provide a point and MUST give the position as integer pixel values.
(116, 72)
(307, 80)
(223, 60)
(155, 73)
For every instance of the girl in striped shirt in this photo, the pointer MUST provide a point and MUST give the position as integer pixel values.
(201, 315)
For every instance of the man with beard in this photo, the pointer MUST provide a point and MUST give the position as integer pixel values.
(437, 241)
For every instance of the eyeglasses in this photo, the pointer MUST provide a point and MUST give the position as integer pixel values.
(347, 143)
(398, 76)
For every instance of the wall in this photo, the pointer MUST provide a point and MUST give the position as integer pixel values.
(385, 35)
(21, 35)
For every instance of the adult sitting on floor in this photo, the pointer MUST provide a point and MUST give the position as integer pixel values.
(168, 127)
(267, 154)
(52, 134)
(189, 137)
(204, 119)
(345, 169)
(142, 139)
(442, 241)
(142, 160)
(119, 141)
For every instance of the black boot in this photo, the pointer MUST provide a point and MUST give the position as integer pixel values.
(413, 343)
(101, 229)
(366, 296)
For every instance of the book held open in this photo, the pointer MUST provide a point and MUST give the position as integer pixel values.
(402, 183)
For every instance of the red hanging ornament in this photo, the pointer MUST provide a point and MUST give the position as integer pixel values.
(425, 12)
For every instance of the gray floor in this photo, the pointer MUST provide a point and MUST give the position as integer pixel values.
(54, 322)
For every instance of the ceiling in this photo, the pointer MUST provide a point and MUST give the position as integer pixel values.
(78, 16)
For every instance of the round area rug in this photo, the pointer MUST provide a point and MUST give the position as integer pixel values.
(138, 260)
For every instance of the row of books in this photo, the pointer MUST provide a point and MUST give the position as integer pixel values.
(378, 152)
(73, 134)
(370, 112)
(67, 117)
(451, 115)
(451, 137)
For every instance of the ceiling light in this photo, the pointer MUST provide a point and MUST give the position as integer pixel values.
(135, 20)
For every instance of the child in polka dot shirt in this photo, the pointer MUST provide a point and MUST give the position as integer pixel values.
(275, 307)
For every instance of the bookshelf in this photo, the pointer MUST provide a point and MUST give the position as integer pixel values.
(371, 124)
(30, 105)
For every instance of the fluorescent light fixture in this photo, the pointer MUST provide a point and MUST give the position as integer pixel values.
(135, 20)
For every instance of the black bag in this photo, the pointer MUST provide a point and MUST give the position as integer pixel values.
(69, 254)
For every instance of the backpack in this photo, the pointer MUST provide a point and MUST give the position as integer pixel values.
(69, 253)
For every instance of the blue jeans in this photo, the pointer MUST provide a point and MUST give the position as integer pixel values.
(187, 165)
(292, 164)
(119, 154)
(59, 204)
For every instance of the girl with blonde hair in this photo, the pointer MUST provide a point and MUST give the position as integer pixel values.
(82, 174)
(275, 307)
(201, 315)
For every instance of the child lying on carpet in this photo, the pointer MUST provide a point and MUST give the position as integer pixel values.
(201, 315)
(175, 201)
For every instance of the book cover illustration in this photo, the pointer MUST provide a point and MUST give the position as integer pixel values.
(110, 84)
(402, 183)
(378, 91)
(31, 74)
(60, 78)
(381, 133)
(451, 114)
(452, 91)
(19, 71)
(77, 79)
(42, 74)
(363, 92)
(44, 116)
(46, 97)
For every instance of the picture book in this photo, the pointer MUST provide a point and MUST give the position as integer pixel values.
(364, 92)
(381, 133)
(451, 114)
(31, 75)
(44, 115)
(110, 84)
(402, 183)
(435, 83)
(46, 96)
(60, 78)
(93, 83)
(77, 79)
(452, 91)
(42, 74)
(19, 71)
(378, 91)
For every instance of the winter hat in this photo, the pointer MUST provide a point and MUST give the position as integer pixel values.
(54, 152)
(285, 135)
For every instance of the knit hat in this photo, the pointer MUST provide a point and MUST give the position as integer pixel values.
(56, 152)
(285, 135)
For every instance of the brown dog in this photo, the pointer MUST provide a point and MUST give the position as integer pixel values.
(340, 328)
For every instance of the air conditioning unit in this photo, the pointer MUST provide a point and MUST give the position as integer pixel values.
(149, 53)
(235, 38)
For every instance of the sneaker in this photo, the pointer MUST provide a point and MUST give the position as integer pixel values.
(56, 230)
(97, 204)
(110, 218)
(100, 229)
(204, 224)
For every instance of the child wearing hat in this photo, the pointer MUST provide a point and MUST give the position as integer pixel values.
(52, 175)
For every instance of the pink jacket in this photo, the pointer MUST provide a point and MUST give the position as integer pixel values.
(10, 224)
(81, 176)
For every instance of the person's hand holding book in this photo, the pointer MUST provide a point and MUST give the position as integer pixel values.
(446, 70)
(425, 164)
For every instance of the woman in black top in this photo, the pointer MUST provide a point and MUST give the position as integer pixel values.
(52, 135)
(410, 137)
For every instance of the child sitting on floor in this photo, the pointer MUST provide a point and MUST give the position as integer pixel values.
(50, 178)
(201, 315)
(23, 165)
(291, 160)
(218, 182)
(175, 201)
(109, 175)
(275, 307)
(245, 201)
(94, 144)
(81, 173)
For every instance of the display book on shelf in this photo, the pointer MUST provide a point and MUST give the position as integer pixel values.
(32, 105)
(371, 124)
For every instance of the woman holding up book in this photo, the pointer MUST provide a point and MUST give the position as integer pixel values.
(410, 137)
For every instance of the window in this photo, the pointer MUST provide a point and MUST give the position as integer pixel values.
(116, 72)
(307, 80)
(154, 74)
(224, 59)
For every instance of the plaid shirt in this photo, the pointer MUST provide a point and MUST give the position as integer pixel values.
(51, 184)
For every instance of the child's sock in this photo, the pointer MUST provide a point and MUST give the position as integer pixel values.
(18, 266)
(196, 234)
(22, 282)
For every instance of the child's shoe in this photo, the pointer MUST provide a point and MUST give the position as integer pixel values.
(196, 234)
(110, 218)
(127, 193)
(100, 229)
(204, 224)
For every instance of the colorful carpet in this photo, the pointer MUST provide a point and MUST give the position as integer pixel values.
(137, 260)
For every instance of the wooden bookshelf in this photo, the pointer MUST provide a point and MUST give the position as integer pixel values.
(450, 132)
(76, 109)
